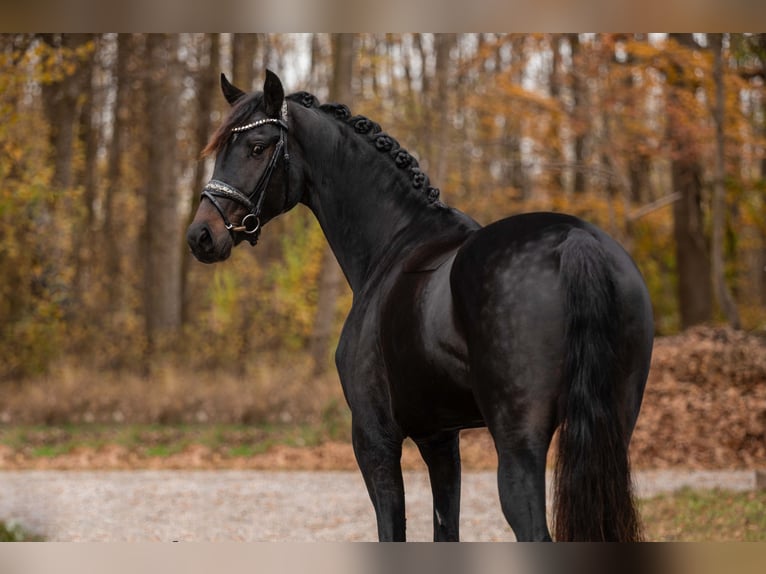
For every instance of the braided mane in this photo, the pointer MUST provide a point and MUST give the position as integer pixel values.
(383, 142)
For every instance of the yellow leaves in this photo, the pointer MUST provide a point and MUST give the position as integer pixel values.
(31, 308)
(296, 277)
(535, 100)
(225, 295)
(51, 64)
(752, 206)
(257, 301)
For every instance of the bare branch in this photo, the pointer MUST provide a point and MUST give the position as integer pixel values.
(654, 206)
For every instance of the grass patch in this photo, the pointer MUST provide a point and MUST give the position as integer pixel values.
(12, 532)
(706, 516)
(163, 450)
(161, 440)
(52, 450)
(245, 450)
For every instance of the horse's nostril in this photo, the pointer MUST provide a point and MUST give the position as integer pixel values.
(205, 239)
(200, 239)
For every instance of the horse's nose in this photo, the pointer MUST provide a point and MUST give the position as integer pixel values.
(200, 240)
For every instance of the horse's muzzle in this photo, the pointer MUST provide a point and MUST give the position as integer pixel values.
(200, 238)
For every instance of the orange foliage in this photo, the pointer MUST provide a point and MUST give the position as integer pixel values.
(501, 132)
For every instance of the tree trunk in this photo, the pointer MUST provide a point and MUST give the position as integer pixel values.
(721, 289)
(512, 131)
(62, 107)
(639, 162)
(111, 252)
(60, 100)
(243, 54)
(554, 134)
(207, 89)
(88, 134)
(330, 275)
(695, 296)
(425, 135)
(162, 256)
(444, 45)
(762, 262)
(693, 265)
(579, 114)
(462, 88)
(315, 64)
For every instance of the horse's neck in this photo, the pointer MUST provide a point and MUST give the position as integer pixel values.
(366, 207)
(360, 223)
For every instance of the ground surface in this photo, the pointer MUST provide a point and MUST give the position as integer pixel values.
(292, 506)
(704, 410)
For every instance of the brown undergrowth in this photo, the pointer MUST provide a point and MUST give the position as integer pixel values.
(704, 408)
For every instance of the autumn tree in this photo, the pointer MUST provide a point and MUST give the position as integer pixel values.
(244, 51)
(579, 111)
(330, 277)
(695, 296)
(163, 232)
(99, 156)
(33, 249)
(720, 287)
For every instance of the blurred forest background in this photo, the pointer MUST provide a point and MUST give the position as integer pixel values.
(659, 139)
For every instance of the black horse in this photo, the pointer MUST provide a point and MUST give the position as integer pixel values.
(536, 322)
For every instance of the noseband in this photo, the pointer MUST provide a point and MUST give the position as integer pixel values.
(251, 223)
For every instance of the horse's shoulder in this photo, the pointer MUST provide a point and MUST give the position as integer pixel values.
(432, 255)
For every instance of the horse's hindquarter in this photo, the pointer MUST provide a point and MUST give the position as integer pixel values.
(508, 295)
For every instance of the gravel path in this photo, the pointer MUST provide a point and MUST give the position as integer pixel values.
(260, 506)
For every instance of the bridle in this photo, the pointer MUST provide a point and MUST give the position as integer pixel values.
(215, 188)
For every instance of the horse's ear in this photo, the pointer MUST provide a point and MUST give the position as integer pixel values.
(231, 92)
(273, 95)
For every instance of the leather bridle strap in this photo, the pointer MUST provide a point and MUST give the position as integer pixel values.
(217, 188)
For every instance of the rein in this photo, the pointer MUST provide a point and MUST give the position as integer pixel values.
(251, 223)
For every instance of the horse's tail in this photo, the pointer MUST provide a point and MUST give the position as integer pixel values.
(593, 499)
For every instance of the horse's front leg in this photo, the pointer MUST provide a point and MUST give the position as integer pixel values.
(441, 454)
(379, 456)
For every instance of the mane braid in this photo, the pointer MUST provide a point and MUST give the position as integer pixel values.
(383, 142)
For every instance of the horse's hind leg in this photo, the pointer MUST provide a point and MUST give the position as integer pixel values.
(441, 454)
(521, 485)
(522, 418)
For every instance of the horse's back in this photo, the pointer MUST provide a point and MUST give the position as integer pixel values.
(507, 272)
(521, 255)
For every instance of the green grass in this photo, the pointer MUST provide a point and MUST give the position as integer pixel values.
(51, 450)
(706, 516)
(39, 441)
(245, 450)
(12, 532)
(163, 450)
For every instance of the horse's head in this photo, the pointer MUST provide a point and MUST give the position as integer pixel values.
(250, 179)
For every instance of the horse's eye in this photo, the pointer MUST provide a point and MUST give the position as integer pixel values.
(257, 149)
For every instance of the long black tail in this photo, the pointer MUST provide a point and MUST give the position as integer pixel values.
(593, 498)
